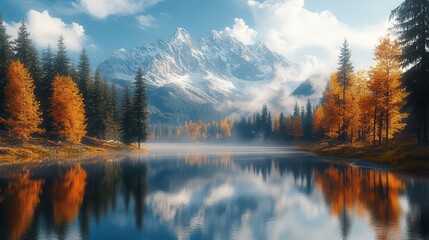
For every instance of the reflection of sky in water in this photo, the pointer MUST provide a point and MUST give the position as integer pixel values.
(213, 193)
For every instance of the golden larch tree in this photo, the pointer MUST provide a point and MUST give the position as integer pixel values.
(387, 88)
(21, 104)
(68, 110)
(318, 118)
(332, 122)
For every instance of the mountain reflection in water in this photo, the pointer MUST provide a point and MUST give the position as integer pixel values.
(236, 193)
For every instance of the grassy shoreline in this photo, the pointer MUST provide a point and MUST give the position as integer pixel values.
(403, 154)
(37, 149)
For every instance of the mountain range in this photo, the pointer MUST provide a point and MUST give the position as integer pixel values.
(209, 78)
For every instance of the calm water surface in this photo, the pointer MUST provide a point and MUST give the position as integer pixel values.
(211, 193)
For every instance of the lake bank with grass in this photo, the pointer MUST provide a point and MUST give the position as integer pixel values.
(402, 155)
(37, 149)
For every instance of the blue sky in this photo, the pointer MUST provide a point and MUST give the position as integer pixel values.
(307, 32)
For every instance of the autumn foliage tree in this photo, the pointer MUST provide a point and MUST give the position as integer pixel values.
(387, 94)
(21, 104)
(68, 110)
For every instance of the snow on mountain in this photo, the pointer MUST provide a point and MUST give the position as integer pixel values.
(208, 78)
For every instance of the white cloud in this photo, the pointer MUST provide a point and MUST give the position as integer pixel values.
(288, 28)
(103, 8)
(242, 32)
(45, 29)
(145, 21)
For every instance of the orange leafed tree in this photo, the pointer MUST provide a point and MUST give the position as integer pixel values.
(21, 104)
(68, 110)
(387, 95)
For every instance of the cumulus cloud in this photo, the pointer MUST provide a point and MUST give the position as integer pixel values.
(242, 32)
(104, 8)
(45, 29)
(145, 21)
(287, 27)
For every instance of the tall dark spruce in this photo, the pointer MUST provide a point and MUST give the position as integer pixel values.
(412, 27)
(48, 68)
(345, 72)
(62, 61)
(140, 109)
(127, 130)
(6, 56)
(26, 52)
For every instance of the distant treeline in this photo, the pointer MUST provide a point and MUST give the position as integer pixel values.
(260, 126)
(51, 97)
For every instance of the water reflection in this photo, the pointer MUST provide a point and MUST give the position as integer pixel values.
(216, 195)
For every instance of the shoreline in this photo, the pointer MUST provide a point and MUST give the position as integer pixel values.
(401, 156)
(42, 150)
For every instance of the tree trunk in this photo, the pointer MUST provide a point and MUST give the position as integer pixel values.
(375, 124)
(425, 125)
(387, 127)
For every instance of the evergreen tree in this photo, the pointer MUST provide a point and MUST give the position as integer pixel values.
(127, 130)
(97, 118)
(345, 67)
(308, 121)
(6, 56)
(345, 72)
(84, 77)
(295, 111)
(48, 68)
(268, 126)
(412, 26)
(112, 115)
(26, 53)
(62, 61)
(140, 109)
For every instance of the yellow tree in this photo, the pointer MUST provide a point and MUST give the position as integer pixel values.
(332, 122)
(21, 104)
(386, 82)
(318, 118)
(68, 110)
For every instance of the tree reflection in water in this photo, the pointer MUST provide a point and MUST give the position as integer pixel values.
(224, 190)
(67, 195)
(367, 192)
(22, 196)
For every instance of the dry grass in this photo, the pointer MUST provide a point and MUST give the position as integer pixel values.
(404, 154)
(39, 148)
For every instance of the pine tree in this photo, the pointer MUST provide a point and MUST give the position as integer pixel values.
(308, 121)
(344, 75)
(84, 77)
(112, 115)
(26, 53)
(127, 130)
(97, 118)
(68, 110)
(6, 56)
(46, 88)
(62, 61)
(412, 26)
(21, 104)
(140, 109)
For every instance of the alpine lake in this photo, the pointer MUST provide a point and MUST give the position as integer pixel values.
(212, 192)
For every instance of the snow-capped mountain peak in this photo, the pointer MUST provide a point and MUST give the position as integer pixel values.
(185, 73)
